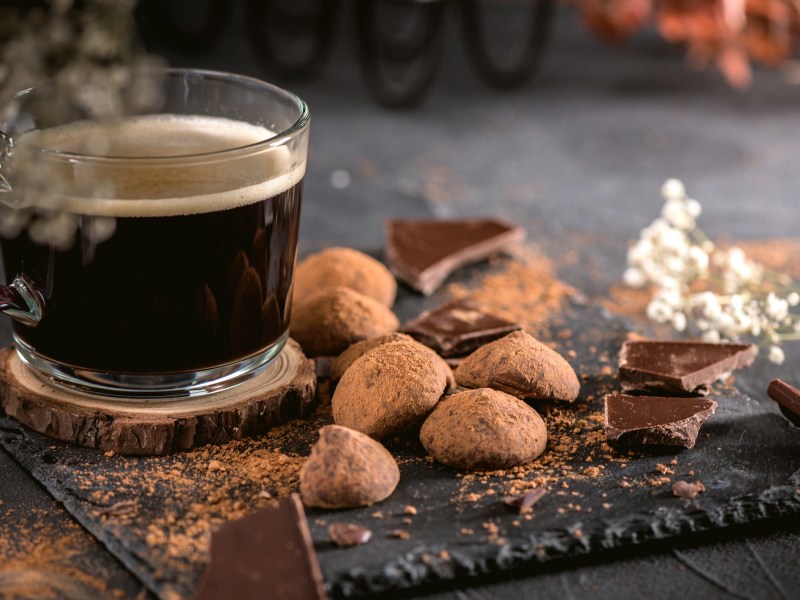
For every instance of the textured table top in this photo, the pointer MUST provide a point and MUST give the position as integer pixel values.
(579, 155)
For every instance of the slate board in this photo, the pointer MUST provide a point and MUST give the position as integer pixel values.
(747, 456)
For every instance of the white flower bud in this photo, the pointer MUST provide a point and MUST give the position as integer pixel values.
(673, 189)
(679, 321)
(693, 208)
(793, 299)
(634, 277)
(776, 355)
(712, 335)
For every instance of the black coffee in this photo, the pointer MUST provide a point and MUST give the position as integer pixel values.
(187, 280)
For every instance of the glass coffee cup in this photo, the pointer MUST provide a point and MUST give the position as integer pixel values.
(152, 255)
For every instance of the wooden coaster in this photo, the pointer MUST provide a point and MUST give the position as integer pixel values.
(285, 390)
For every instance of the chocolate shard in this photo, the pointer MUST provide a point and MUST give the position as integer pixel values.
(423, 253)
(684, 366)
(345, 535)
(523, 503)
(458, 327)
(656, 420)
(787, 397)
(268, 554)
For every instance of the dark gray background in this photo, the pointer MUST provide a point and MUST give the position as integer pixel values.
(580, 152)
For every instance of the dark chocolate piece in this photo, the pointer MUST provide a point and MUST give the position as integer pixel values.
(656, 420)
(458, 328)
(685, 489)
(268, 554)
(787, 397)
(348, 534)
(686, 366)
(524, 502)
(423, 253)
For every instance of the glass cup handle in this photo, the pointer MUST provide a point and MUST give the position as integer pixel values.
(21, 301)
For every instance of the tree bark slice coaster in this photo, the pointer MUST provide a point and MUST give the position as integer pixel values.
(285, 390)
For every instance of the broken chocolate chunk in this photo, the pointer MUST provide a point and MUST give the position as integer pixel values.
(684, 366)
(268, 554)
(458, 328)
(523, 503)
(787, 397)
(423, 253)
(686, 489)
(656, 420)
(345, 535)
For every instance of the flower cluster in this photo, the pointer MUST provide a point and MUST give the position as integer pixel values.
(715, 291)
(87, 52)
(726, 32)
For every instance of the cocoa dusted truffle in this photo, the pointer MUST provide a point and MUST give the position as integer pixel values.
(347, 469)
(389, 389)
(522, 366)
(333, 319)
(483, 429)
(344, 267)
(342, 362)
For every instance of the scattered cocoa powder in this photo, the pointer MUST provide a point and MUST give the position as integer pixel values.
(523, 289)
(334, 318)
(389, 389)
(344, 267)
(520, 365)
(483, 428)
(41, 560)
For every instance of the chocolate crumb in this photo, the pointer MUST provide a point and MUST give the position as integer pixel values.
(401, 534)
(346, 535)
(524, 503)
(685, 489)
(410, 510)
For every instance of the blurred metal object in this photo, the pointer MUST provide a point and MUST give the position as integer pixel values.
(505, 74)
(291, 41)
(400, 43)
(399, 66)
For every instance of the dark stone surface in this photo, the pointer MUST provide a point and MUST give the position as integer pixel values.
(745, 457)
(45, 554)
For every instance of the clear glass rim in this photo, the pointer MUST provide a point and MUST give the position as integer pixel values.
(279, 139)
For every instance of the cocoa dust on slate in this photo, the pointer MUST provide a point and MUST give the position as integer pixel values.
(180, 499)
(38, 560)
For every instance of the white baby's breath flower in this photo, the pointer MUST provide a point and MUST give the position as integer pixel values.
(693, 207)
(634, 277)
(673, 189)
(776, 355)
(676, 212)
(793, 299)
(712, 335)
(679, 322)
(776, 308)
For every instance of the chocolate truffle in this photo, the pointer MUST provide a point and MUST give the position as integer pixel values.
(483, 429)
(344, 267)
(347, 469)
(389, 389)
(520, 365)
(342, 362)
(333, 319)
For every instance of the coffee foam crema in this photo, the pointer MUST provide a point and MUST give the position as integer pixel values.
(154, 166)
